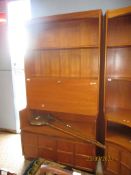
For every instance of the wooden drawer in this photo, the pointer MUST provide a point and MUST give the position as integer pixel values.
(47, 147)
(65, 157)
(65, 146)
(47, 153)
(84, 149)
(65, 152)
(29, 138)
(125, 171)
(77, 96)
(46, 142)
(29, 145)
(30, 151)
(84, 162)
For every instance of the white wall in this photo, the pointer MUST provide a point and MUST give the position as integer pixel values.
(51, 7)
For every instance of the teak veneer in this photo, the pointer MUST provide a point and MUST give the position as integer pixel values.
(62, 70)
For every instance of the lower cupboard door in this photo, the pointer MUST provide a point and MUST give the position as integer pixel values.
(48, 154)
(85, 163)
(65, 157)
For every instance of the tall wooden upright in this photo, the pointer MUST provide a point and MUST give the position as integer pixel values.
(118, 91)
(62, 68)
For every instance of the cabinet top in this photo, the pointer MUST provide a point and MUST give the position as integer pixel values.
(68, 16)
(118, 12)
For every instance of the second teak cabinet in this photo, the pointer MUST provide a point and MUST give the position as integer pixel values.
(118, 91)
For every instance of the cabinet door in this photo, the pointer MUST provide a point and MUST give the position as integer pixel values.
(85, 156)
(47, 147)
(63, 95)
(29, 143)
(65, 152)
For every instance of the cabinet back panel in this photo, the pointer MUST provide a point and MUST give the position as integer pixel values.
(118, 94)
(119, 62)
(63, 63)
(65, 34)
(119, 31)
(77, 96)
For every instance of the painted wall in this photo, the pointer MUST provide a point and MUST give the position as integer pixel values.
(51, 7)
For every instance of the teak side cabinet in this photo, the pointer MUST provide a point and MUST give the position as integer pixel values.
(117, 106)
(62, 69)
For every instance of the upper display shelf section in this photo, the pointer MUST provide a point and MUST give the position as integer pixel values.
(119, 31)
(75, 30)
(68, 17)
(118, 12)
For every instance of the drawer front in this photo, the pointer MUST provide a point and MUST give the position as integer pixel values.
(29, 138)
(49, 154)
(65, 157)
(84, 149)
(126, 159)
(65, 152)
(84, 162)
(113, 152)
(113, 165)
(125, 171)
(65, 146)
(47, 147)
(46, 142)
(30, 151)
(29, 144)
(62, 95)
(84, 154)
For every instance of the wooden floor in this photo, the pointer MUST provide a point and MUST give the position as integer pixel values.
(11, 154)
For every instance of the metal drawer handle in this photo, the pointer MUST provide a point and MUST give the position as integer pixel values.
(42, 105)
(59, 81)
(109, 79)
(28, 79)
(92, 83)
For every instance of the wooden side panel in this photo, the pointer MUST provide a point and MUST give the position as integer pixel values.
(62, 95)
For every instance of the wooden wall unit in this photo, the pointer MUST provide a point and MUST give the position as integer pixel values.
(62, 69)
(118, 91)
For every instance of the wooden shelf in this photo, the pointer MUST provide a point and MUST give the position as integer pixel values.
(121, 135)
(111, 78)
(121, 116)
(118, 45)
(119, 12)
(65, 48)
(68, 17)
